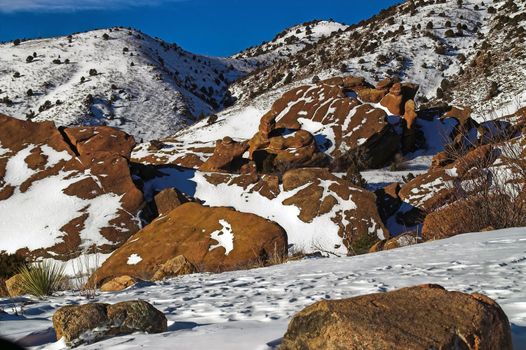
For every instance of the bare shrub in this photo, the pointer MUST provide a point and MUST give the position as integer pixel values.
(84, 267)
(487, 190)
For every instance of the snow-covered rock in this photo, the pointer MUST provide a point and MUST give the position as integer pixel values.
(60, 194)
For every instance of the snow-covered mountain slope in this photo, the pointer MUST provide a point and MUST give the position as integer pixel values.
(427, 42)
(291, 41)
(495, 80)
(470, 54)
(251, 309)
(117, 77)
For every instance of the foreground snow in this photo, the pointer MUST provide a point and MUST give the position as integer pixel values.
(251, 309)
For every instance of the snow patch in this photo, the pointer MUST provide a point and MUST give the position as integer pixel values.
(134, 259)
(224, 237)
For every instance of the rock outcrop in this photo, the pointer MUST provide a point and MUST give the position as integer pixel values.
(65, 190)
(272, 148)
(319, 210)
(210, 238)
(332, 110)
(226, 152)
(88, 323)
(422, 317)
(318, 192)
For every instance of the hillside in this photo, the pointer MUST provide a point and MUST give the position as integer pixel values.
(291, 41)
(471, 54)
(126, 79)
(436, 44)
(117, 77)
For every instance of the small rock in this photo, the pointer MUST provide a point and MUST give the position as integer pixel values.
(167, 200)
(177, 266)
(14, 286)
(118, 284)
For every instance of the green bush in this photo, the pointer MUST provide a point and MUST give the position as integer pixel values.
(42, 279)
(10, 264)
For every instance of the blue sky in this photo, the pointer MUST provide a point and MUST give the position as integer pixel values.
(212, 27)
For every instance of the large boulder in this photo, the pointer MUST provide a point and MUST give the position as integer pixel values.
(422, 317)
(429, 191)
(65, 190)
(286, 150)
(78, 324)
(90, 140)
(210, 238)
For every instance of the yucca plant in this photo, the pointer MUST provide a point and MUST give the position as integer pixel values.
(42, 278)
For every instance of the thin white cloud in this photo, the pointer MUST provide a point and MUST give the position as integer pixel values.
(73, 5)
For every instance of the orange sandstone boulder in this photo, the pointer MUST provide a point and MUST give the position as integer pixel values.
(210, 238)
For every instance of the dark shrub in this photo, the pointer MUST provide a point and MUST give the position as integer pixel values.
(29, 59)
(47, 105)
(30, 115)
(6, 100)
(10, 264)
(212, 119)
